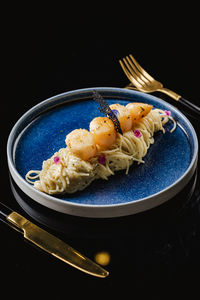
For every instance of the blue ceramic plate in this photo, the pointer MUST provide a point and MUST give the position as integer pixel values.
(169, 163)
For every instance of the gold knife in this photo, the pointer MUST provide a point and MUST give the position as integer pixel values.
(50, 243)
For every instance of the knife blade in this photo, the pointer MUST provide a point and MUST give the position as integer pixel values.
(50, 243)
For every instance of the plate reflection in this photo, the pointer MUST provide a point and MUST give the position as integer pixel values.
(163, 236)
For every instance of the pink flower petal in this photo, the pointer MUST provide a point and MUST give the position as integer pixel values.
(137, 133)
(102, 159)
(56, 159)
(167, 112)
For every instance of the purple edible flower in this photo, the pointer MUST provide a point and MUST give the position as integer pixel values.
(116, 112)
(102, 159)
(137, 133)
(167, 112)
(56, 159)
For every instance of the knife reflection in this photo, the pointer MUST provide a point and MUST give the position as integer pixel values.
(50, 243)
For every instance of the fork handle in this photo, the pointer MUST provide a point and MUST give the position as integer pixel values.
(170, 93)
(190, 105)
(194, 108)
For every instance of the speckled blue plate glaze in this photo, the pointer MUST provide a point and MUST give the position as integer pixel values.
(169, 163)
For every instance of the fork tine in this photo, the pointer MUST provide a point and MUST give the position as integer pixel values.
(132, 72)
(144, 73)
(128, 74)
(139, 75)
(134, 77)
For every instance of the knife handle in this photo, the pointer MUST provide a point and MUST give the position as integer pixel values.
(4, 210)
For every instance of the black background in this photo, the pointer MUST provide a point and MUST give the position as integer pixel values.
(154, 253)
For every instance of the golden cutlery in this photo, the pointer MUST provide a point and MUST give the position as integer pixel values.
(50, 243)
(142, 81)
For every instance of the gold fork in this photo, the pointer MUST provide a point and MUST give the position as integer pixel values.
(147, 84)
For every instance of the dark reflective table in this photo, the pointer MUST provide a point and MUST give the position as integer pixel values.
(154, 253)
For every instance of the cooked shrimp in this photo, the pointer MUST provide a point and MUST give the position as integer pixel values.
(104, 132)
(123, 116)
(138, 110)
(81, 143)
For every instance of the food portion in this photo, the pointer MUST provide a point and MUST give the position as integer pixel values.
(81, 142)
(103, 131)
(138, 110)
(101, 150)
(124, 116)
